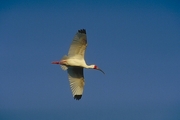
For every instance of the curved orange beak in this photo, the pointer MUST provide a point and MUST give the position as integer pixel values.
(100, 70)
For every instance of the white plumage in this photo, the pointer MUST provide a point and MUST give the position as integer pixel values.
(74, 63)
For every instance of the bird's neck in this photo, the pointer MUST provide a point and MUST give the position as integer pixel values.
(89, 66)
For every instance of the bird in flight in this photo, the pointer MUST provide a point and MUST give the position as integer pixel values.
(74, 63)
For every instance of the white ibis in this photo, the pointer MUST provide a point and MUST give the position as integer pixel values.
(74, 63)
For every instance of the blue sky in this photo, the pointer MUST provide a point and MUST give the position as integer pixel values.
(136, 43)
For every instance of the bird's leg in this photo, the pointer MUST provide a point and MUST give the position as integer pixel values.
(55, 62)
(63, 62)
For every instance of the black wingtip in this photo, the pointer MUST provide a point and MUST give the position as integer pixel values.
(77, 97)
(82, 31)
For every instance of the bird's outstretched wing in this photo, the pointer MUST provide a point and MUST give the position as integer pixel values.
(78, 45)
(76, 79)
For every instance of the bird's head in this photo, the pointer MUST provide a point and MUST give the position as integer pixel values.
(96, 67)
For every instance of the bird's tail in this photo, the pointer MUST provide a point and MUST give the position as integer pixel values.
(64, 67)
